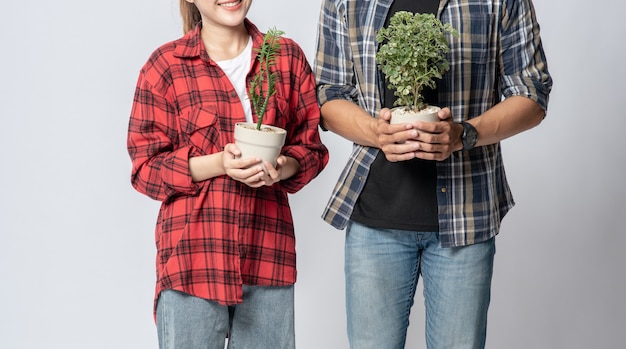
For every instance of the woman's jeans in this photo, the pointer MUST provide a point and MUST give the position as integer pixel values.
(382, 269)
(265, 320)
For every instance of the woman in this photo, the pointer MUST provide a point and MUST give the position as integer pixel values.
(226, 262)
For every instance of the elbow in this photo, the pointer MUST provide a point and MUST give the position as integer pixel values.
(533, 113)
(537, 116)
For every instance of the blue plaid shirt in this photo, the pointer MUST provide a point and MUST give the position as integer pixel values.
(498, 54)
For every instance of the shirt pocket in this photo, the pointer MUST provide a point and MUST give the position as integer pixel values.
(278, 112)
(476, 35)
(200, 128)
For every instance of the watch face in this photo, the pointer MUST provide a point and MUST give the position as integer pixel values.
(470, 136)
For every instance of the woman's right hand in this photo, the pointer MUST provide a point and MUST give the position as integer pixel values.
(248, 171)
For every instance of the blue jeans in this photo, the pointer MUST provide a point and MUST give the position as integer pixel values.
(265, 320)
(382, 269)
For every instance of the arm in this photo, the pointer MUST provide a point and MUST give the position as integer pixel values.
(437, 141)
(524, 77)
(305, 156)
(525, 81)
(247, 171)
(162, 168)
(512, 116)
(350, 121)
(343, 103)
(207, 166)
(159, 168)
(353, 123)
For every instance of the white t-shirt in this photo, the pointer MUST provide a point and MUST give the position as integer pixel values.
(236, 69)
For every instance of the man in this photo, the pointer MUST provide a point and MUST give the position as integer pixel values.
(426, 199)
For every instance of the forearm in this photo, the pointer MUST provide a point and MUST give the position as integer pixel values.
(162, 175)
(290, 168)
(349, 121)
(206, 166)
(508, 118)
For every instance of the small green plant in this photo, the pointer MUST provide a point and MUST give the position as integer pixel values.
(412, 55)
(259, 92)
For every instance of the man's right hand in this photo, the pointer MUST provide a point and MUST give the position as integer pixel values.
(397, 140)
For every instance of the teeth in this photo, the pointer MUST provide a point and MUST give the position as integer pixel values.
(230, 4)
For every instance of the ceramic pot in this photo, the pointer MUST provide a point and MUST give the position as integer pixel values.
(265, 143)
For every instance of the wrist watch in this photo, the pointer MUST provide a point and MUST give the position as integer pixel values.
(469, 136)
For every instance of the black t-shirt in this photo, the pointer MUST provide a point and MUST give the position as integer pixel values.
(415, 6)
(401, 195)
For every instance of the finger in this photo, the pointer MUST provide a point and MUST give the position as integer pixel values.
(271, 175)
(256, 180)
(247, 175)
(386, 128)
(270, 170)
(247, 163)
(398, 137)
(404, 147)
(281, 160)
(425, 155)
(401, 152)
(232, 149)
(255, 184)
(444, 114)
(441, 136)
(432, 156)
(385, 114)
(400, 157)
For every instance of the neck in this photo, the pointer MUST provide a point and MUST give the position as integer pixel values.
(224, 43)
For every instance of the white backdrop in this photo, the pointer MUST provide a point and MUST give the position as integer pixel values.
(76, 241)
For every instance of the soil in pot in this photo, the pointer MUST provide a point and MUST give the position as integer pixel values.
(401, 115)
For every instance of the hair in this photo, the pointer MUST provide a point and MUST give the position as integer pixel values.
(191, 15)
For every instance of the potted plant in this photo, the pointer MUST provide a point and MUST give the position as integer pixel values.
(258, 139)
(412, 55)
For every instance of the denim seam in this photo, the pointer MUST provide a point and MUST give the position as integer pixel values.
(413, 289)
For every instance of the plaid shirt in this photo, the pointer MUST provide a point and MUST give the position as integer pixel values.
(213, 236)
(497, 54)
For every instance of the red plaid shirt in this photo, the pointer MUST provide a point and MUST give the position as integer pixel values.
(214, 236)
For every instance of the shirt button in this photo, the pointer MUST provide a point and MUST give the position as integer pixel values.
(444, 189)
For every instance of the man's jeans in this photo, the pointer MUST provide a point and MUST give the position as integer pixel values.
(382, 269)
(265, 320)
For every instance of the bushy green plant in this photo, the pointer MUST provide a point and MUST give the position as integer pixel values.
(412, 55)
(259, 92)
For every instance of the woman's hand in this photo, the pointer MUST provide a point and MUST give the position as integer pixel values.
(255, 173)
(248, 171)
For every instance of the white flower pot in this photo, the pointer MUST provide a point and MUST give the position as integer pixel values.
(265, 143)
(400, 115)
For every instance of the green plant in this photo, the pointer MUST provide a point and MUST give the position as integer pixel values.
(259, 92)
(412, 55)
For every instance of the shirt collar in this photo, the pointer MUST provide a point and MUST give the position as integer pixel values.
(191, 46)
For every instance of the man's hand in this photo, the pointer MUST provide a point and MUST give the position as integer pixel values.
(420, 139)
(399, 142)
(396, 141)
(438, 140)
